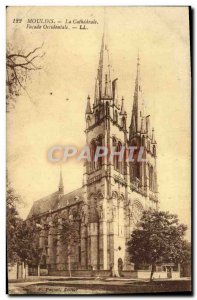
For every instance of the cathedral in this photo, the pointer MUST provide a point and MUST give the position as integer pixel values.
(114, 193)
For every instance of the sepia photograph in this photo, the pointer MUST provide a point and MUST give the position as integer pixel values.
(98, 171)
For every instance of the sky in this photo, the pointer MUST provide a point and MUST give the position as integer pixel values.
(53, 111)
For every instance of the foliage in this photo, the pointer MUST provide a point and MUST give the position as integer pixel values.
(158, 238)
(13, 222)
(186, 253)
(28, 243)
(69, 233)
(22, 236)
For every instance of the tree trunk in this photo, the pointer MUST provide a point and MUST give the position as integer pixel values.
(69, 266)
(17, 270)
(25, 275)
(22, 270)
(152, 272)
(69, 262)
(38, 270)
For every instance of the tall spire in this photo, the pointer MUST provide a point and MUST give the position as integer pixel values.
(138, 111)
(103, 89)
(61, 185)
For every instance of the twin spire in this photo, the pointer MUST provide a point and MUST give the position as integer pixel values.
(140, 121)
(105, 88)
(138, 111)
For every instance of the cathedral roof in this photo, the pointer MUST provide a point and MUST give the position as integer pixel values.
(71, 198)
(53, 202)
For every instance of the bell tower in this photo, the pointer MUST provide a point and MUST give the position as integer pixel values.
(105, 179)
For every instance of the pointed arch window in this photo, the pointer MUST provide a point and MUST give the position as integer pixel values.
(114, 144)
(97, 116)
(92, 154)
(107, 109)
(151, 178)
(123, 123)
(148, 146)
(143, 141)
(100, 159)
(135, 170)
(102, 112)
(119, 147)
(135, 165)
(116, 116)
(118, 165)
(154, 150)
(94, 217)
(106, 81)
(88, 121)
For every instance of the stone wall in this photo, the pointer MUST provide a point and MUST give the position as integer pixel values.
(145, 274)
(141, 274)
(81, 273)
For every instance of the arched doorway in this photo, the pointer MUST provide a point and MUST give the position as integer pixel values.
(120, 266)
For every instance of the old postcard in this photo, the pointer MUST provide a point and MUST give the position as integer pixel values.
(98, 150)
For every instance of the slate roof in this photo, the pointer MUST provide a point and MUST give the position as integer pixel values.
(53, 202)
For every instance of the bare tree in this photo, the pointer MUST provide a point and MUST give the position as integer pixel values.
(19, 66)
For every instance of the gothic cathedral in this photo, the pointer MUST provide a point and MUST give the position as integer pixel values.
(114, 193)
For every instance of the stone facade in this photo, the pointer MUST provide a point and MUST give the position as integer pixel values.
(114, 193)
